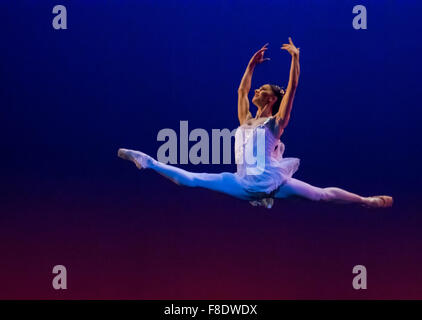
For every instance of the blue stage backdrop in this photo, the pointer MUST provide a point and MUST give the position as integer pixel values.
(124, 70)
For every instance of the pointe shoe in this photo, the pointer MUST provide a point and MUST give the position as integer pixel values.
(140, 159)
(381, 202)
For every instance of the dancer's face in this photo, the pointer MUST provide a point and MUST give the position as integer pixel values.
(263, 95)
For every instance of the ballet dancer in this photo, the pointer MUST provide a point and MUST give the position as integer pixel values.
(275, 180)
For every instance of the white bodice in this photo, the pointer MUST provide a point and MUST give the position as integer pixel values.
(261, 168)
(255, 146)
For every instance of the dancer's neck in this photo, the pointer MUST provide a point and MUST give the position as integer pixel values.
(263, 115)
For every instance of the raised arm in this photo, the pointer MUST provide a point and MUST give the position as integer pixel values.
(283, 114)
(243, 112)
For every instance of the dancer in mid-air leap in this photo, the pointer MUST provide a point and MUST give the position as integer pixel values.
(275, 179)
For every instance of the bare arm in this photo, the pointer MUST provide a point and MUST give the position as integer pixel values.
(243, 112)
(283, 114)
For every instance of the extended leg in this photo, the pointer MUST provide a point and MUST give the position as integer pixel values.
(295, 187)
(224, 182)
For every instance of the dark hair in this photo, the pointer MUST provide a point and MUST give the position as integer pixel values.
(279, 93)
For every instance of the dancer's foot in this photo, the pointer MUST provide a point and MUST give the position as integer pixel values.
(379, 202)
(140, 159)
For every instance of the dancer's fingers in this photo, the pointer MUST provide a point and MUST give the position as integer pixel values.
(291, 42)
(261, 50)
(259, 53)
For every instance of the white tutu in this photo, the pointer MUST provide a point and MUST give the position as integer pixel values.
(262, 181)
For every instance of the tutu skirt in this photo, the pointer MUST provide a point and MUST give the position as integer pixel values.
(262, 187)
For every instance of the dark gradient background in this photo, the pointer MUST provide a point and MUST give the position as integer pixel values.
(125, 70)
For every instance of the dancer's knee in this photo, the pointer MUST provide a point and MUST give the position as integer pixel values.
(320, 194)
(187, 180)
(295, 187)
(222, 182)
(198, 180)
(328, 194)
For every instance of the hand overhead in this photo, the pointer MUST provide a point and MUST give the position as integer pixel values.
(258, 57)
(291, 48)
